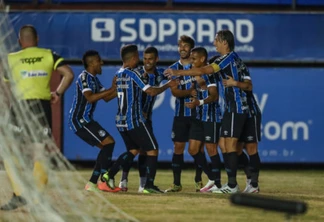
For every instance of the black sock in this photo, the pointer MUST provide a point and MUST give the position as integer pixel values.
(142, 165)
(126, 169)
(216, 169)
(200, 161)
(177, 163)
(96, 170)
(232, 162)
(151, 165)
(199, 170)
(255, 168)
(243, 161)
(106, 155)
(123, 160)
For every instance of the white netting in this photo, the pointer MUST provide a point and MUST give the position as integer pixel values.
(64, 198)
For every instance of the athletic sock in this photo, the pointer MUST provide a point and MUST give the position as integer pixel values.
(122, 161)
(243, 161)
(232, 162)
(177, 163)
(151, 166)
(216, 169)
(255, 169)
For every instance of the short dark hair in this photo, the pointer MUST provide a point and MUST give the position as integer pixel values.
(201, 51)
(88, 54)
(30, 28)
(228, 36)
(127, 51)
(152, 49)
(187, 39)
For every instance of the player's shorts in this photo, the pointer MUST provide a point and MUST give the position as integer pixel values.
(232, 124)
(92, 133)
(31, 120)
(197, 130)
(252, 129)
(140, 138)
(181, 128)
(211, 132)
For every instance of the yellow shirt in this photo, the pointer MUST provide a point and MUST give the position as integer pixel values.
(31, 70)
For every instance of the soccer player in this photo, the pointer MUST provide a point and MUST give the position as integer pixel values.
(184, 116)
(206, 127)
(152, 75)
(249, 139)
(30, 72)
(237, 108)
(130, 121)
(88, 91)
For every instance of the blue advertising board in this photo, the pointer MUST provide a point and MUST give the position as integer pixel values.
(290, 100)
(259, 37)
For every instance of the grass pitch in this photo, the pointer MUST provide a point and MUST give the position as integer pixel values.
(187, 205)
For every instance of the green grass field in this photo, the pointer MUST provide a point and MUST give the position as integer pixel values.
(191, 206)
(187, 205)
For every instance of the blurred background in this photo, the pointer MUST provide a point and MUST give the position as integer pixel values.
(281, 41)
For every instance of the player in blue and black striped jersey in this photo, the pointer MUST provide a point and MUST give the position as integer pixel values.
(152, 75)
(183, 115)
(237, 109)
(130, 121)
(206, 128)
(87, 92)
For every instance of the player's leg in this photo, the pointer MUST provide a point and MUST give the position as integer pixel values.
(180, 135)
(142, 170)
(196, 138)
(243, 161)
(125, 159)
(146, 140)
(232, 126)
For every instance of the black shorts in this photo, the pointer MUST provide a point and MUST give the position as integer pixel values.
(211, 132)
(140, 138)
(232, 124)
(197, 130)
(252, 129)
(181, 128)
(92, 133)
(32, 119)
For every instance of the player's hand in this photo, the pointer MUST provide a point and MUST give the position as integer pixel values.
(170, 72)
(229, 82)
(145, 115)
(55, 98)
(192, 104)
(193, 91)
(113, 84)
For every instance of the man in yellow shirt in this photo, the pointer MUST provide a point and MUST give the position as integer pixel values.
(30, 71)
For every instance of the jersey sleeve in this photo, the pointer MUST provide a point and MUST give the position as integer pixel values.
(84, 82)
(58, 60)
(136, 76)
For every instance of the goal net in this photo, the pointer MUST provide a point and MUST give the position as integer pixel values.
(64, 197)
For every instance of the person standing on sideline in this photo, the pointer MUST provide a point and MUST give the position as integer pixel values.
(152, 75)
(88, 92)
(130, 121)
(237, 109)
(31, 70)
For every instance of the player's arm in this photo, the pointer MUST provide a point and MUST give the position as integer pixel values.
(176, 92)
(212, 97)
(161, 89)
(246, 85)
(94, 97)
(209, 69)
(112, 91)
(66, 72)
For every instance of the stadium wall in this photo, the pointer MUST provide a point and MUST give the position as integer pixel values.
(288, 96)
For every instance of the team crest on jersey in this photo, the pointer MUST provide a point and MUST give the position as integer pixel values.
(101, 133)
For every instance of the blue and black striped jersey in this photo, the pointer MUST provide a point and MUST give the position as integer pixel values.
(185, 83)
(129, 94)
(208, 112)
(253, 105)
(81, 111)
(153, 79)
(233, 66)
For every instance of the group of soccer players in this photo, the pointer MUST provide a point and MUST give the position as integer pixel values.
(214, 107)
